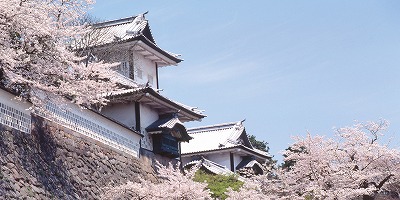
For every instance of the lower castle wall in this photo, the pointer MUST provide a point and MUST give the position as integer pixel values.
(150, 157)
(55, 162)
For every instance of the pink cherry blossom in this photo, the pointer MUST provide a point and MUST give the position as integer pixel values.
(35, 59)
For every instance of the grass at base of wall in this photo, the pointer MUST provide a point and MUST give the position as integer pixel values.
(218, 184)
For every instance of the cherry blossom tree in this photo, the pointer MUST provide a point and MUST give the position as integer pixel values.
(35, 59)
(259, 187)
(265, 187)
(352, 165)
(250, 190)
(173, 184)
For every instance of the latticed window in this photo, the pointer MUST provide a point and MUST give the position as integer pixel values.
(124, 68)
(91, 128)
(15, 118)
(165, 144)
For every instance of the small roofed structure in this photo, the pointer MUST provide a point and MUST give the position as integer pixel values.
(208, 166)
(249, 166)
(225, 144)
(169, 123)
(167, 133)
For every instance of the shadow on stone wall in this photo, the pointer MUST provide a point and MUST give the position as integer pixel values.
(55, 162)
(30, 166)
(49, 168)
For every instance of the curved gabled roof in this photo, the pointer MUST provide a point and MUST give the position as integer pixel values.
(131, 29)
(214, 137)
(121, 29)
(220, 137)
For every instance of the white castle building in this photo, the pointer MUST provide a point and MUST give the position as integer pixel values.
(139, 120)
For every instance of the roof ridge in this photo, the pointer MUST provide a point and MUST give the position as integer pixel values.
(124, 20)
(114, 22)
(214, 127)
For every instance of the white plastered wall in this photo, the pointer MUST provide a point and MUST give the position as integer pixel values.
(236, 159)
(9, 99)
(147, 117)
(96, 127)
(147, 67)
(123, 113)
(220, 158)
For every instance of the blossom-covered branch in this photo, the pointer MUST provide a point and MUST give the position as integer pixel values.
(35, 60)
(173, 184)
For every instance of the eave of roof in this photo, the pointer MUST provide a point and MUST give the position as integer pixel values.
(155, 47)
(241, 147)
(248, 162)
(157, 95)
(114, 22)
(141, 33)
(211, 127)
(148, 95)
(164, 58)
(209, 165)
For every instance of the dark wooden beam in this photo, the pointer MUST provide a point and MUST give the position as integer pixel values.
(232, 162)
(158, 86)
(131, 65)
(137, 116)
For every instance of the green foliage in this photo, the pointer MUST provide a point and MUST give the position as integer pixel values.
(288, 164)
(218, 184)
(270, 163)
(260, 145)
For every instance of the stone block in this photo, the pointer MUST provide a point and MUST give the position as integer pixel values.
(10, 165)
(36, 189)
(15, 187)
(73, 172)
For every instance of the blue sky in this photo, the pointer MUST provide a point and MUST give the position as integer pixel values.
(287, 67)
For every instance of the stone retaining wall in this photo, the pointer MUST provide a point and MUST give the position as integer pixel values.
(55, 163)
